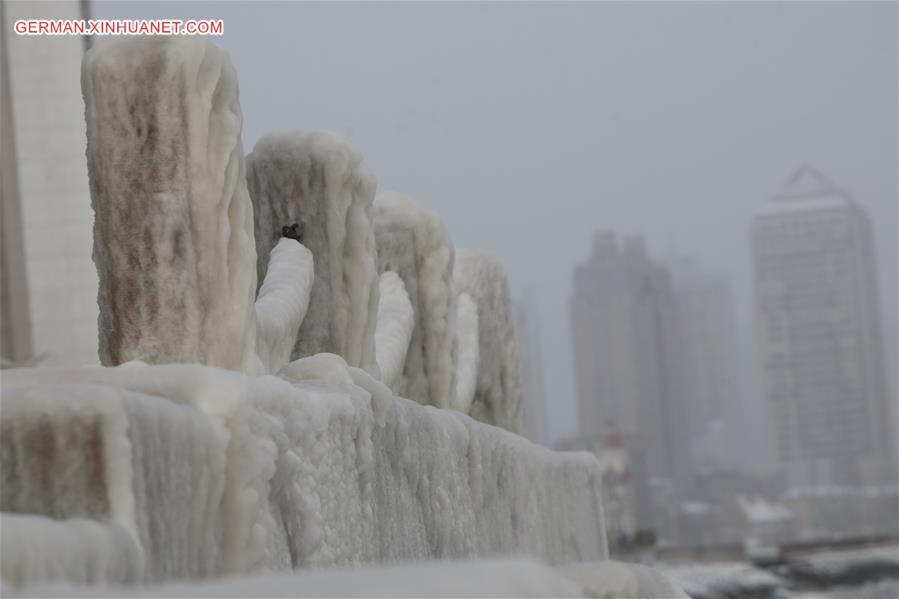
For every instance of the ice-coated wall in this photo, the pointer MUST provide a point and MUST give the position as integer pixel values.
(413, 242)
(497, 396)
(318, 181)
(189, 471)
(173, 225)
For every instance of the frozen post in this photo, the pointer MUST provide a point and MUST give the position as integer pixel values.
(498, 396)
(317, 181)
(173, 237)
(414, 243)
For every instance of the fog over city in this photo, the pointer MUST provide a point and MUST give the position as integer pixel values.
(529, 126)
(470, 298)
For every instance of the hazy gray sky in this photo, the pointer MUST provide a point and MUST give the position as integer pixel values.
(527, 126)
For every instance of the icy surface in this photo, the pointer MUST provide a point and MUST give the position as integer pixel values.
(414, 243)
(215, 472)
(173, 230)
(282, 303)
(317, 181)
(723, 579)
(77, 550)
(469, 352)
(498, 395)
(488, 578)
(396, 320)
(617, 580)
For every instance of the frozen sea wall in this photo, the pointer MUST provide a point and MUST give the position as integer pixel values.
(315, 180)
(173, 230)
(190, 472)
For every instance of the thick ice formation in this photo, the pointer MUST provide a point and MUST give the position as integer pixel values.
(513, 578)
(173, 230)
(498, 396)
(396, 320)
(469, 352)
(282, 303)
(414, 243)
(316, 180)
(213, 472)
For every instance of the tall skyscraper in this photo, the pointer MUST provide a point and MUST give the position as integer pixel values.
(48, 283)
(707, 325)
(627, 359)
(816, 295)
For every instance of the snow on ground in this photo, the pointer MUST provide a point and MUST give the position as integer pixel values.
(845, 566)
(396, 320)
(413, 242)
(282, 303)
(319, 182)
(213, 472)
(498, 395)
(173, 233)
(722, 579)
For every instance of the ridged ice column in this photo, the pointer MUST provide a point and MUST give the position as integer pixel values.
(498, 395)
(414, 243)
(173, 231)
(318, 182)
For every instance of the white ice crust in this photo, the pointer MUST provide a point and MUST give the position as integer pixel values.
(212, 472)
(413, 242)
(282, 303)
(396, 320)
(483, 578)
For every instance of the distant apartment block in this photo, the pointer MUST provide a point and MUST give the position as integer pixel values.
(821, 346)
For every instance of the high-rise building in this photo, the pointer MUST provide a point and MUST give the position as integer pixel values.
(48, 283)
(627, 359)
(707, 325)
(821, 346)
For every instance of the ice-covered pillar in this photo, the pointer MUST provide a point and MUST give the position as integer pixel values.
(317, 181)
(414, 243)
(498, 395)
(173, 228)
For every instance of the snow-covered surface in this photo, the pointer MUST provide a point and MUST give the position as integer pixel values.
(77, 550)
(722, 579)
(759, 510)
(396, 320)
(282, 303)
(214, 472)
(847, 564)
(173, 228)
(413, 242)
(318, 181)
(487, 578)
(617, 580)
(469, 352)
(498, 395)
